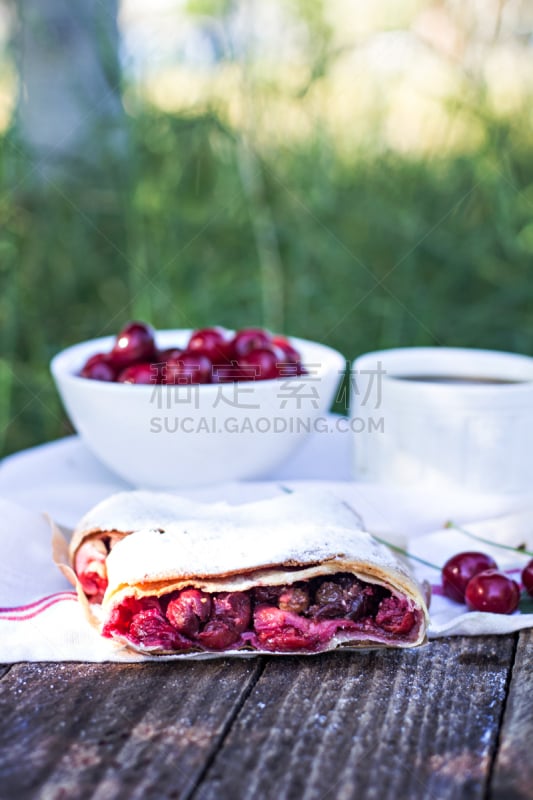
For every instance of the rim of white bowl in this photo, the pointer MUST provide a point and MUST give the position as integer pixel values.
(66, 364)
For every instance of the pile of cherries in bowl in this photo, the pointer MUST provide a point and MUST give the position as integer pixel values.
(210, 356)
(473, 578)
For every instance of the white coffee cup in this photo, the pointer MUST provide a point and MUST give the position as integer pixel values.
(444, 417)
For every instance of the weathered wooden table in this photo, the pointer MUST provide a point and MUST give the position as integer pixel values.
(453, 719)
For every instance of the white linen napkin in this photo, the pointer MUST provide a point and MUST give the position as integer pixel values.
(454, 619)
(41, 619)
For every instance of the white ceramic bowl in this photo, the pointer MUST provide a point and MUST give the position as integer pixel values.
(179, 436)
(468, 433)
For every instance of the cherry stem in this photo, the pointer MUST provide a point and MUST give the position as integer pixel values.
(285, 489)
(522, 551)
(406, 553)
(394, 547)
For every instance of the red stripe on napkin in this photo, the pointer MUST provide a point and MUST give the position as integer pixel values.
(31, 610)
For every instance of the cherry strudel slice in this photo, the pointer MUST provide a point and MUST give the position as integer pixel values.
(292, 574)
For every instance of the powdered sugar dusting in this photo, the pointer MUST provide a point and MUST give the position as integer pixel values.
(140, 510)
(299, 529)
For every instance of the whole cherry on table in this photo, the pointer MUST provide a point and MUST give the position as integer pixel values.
(493, 591)
(473, 578)
(460, 569)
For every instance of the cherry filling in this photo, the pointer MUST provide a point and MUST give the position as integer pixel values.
(302, 617)
(91, 569)
(90, 564)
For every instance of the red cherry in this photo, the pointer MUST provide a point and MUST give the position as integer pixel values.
(289, 363)
(492, 591)
(261, 364)
(134, 343)
(289, 353)
(459, 569)
(99, 368)
(145, 372)
(527, 577)
(211, 342)
(168, 353)
(188, 368)
(248, 339)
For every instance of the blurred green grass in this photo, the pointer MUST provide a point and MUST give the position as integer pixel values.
(377, 251)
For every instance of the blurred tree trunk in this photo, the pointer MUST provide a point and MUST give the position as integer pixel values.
(69, 113)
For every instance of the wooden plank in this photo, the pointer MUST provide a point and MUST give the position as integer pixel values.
(113, 731)
(513, 767)
(416, 724)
